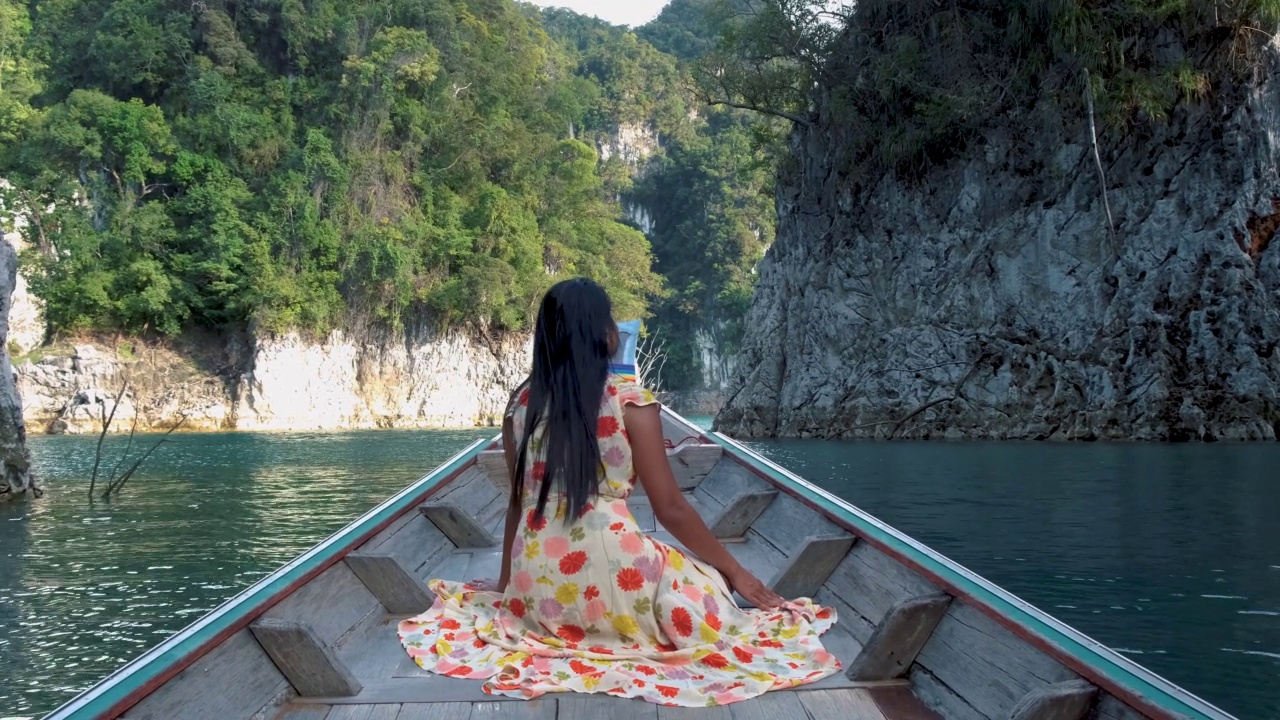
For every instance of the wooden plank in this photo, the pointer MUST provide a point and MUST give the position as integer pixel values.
(893, 647)
(788, 524)
(365, 712)
(543, 708)
(494, 515)
(691, 463)
(601, 707)
(840, 643)
(312, 668)
(740, 512)
(1069, 700)
(461, 528)
(642, 511)
(493, 463)
(986, 664)
(939, 698)
(756, 554)
(200, 691)
(375, 654)
(435, 711)
(470, 492)
(415, 542)
(808, 568)
(303, 712)
(848, 618)
(770, 706)
(427, 687)
(485, 565)
(728, 479)
(332, 604)
(1112, 708)
(719, 712)
(453, 567)
(871, 582)
(899, 703)
(391, 582)
(853, 704)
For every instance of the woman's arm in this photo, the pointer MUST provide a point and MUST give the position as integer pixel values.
(644, 428)
(513, 505)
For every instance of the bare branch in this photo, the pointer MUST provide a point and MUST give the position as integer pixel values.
(106, 424)
(115, 486)
(766, 111)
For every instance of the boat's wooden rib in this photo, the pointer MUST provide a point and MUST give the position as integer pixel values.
(460, 527)
(390, 581)
(952, 644)
(740, 512)
(1070, 700)
(809, 567)
(897, 640)
(413, 540)
(310, 666)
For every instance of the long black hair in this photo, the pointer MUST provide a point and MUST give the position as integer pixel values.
(571, 344)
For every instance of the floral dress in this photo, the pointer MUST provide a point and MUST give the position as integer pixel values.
(599, 607)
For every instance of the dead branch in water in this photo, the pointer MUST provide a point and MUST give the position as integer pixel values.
(117, 484)
(117, 481)
(106, 424)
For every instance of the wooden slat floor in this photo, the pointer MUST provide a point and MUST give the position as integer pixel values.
(882, 703)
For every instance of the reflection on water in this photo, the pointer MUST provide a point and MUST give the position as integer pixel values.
(1171, 553)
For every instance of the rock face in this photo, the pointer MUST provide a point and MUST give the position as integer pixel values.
(414, 380)
(26, 311)
(16, 479)
(991, 301)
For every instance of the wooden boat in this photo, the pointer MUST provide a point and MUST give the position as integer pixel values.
(919, 635)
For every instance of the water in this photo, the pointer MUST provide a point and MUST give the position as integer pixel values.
(84, 588)
(1171, 553)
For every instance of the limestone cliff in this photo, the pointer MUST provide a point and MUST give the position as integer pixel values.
(989, 300)
(16, 479)
(414, 379)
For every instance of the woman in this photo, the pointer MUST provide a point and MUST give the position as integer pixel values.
(586, 602)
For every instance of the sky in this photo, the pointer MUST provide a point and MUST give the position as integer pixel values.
(618, 12)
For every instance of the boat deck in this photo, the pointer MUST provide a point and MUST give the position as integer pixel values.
(848, 704)
(395, 688)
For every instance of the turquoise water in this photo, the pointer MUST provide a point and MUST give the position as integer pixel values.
(1170, 553)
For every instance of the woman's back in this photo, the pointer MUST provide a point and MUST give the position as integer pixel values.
(617, 477)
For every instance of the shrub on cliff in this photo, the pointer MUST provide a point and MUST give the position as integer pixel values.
(912, 81)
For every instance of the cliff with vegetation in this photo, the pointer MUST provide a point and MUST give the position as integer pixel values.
(343, 216)
(1028, 220)
(16, 477)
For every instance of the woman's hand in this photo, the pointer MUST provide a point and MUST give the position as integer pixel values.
(487, 585)
(752, 590)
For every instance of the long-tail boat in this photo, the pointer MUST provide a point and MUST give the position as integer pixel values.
(919, 635)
